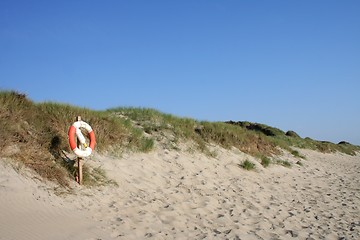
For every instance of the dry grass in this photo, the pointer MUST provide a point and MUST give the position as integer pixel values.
(36, 134)
(290, 139)
(200, 132)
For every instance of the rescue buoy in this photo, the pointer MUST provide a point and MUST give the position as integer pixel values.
(75, 129)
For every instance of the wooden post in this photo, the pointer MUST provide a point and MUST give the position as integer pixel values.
(79, 159)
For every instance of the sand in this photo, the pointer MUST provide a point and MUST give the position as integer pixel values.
(186, 195)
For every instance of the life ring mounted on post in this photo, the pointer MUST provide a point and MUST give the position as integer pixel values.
(75, 130)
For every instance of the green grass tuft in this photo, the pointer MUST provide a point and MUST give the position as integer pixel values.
(147, 144)
(265, 161)
(247, 165)
(284, 163)
(296, 153)
(94, 177)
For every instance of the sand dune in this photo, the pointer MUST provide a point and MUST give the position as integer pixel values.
(181, 195)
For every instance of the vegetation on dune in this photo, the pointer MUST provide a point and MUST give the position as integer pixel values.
(292, 139)
(284, 163)
(247, 165)
(200, 132)
(265, 161)
(36, 134)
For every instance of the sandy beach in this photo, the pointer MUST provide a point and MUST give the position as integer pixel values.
(180, 194)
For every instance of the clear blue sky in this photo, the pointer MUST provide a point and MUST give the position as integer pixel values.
(289, 64)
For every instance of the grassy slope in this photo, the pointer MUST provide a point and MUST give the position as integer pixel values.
(36, 134)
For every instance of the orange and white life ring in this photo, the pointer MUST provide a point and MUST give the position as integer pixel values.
(75, 129)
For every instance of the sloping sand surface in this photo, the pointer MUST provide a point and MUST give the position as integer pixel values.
(180, 195)
(30, 210)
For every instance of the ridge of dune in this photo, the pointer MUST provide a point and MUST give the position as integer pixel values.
(177, 194)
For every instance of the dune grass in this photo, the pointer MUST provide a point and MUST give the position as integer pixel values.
(39, 132)
(291, 139)
(36, 134)
(284, 163)
(265, 161)
(247, 165)
(296, 153)
(200, 132)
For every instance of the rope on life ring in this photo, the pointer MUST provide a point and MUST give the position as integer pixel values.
(75, 129)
